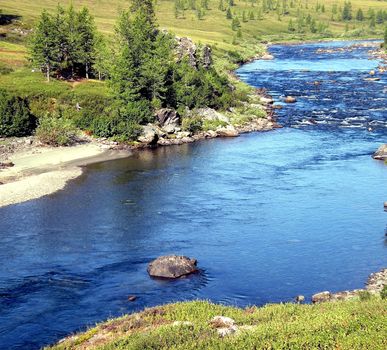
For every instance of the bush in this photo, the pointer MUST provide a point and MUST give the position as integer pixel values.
(5, 69)
(56, 131)
(16, 118)
(213, 124)
(383, 293)
(364, 295)
(194, 124)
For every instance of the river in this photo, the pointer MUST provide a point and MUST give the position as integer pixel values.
(268, 215)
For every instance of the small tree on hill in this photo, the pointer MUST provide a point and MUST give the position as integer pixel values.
(45, 48)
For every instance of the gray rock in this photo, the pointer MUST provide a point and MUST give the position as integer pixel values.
(381, 153)
(222, 321)
(376, 281)
(267, 57)
(167, 116)
(224, 332)
(321, 297)
(169, 128)
(186, 48)
(207, 57)
(266, 100)
(149, 135)
(230, 131)
(211, 114)
(172, 266)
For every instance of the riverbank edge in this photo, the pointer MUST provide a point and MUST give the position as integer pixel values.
(38, 171)
(116, 329)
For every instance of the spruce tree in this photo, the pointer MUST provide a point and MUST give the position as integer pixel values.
(359, 15)
(44, 48)
(87, 40)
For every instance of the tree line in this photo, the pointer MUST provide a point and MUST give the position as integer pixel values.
(140, 66)
(65, 43)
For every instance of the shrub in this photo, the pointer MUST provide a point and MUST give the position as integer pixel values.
(194, 124)
(16, 118)
(55, 130)
(5, 69)
(364, 295)
(383, 293)
(213, 124)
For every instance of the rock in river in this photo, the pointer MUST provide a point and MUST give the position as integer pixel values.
(290, 99)
(381, 153)
(172, 266)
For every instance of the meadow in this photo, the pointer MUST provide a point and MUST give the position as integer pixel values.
(211, 28)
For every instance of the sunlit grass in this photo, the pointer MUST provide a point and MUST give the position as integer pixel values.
(342, 325)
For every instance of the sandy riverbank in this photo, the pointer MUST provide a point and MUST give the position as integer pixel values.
(39, 171)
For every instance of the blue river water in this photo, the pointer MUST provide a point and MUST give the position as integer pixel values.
(268, 215)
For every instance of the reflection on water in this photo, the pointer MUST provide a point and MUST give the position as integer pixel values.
(268, 216)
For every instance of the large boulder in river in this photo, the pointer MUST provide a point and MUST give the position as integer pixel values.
(381, 153)
(172, 266)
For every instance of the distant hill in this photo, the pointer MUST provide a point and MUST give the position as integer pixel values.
(206, 20)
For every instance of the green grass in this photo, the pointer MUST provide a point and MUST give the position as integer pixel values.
(342, 325)
(213, 29)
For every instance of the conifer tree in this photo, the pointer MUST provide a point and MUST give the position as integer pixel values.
(44, 44)
(359, 15)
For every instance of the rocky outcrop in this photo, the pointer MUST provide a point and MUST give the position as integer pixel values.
(321, 297)
(196, 55)
(228, 131)
(374, 285)
(211, 114)
(149, 135)
(172, 267)
(376, 281)
(167, 116)
(207, 57)
(381, 153)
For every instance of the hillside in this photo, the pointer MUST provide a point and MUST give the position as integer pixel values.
(257, 21)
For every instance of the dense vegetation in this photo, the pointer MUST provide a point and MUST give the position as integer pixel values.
(16, 118)
(67, 45)
(341, 325)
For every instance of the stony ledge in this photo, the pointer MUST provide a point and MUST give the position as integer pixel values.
(374, 285)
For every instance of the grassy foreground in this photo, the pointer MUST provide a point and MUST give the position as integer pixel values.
(348, 325)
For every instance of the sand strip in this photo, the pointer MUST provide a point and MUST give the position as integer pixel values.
(40, 171)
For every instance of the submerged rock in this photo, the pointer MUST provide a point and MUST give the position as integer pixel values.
(290, 99)
(381, 153)
(267, 57)
(172, 266)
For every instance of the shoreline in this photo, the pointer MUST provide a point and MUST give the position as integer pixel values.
(40, 171)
